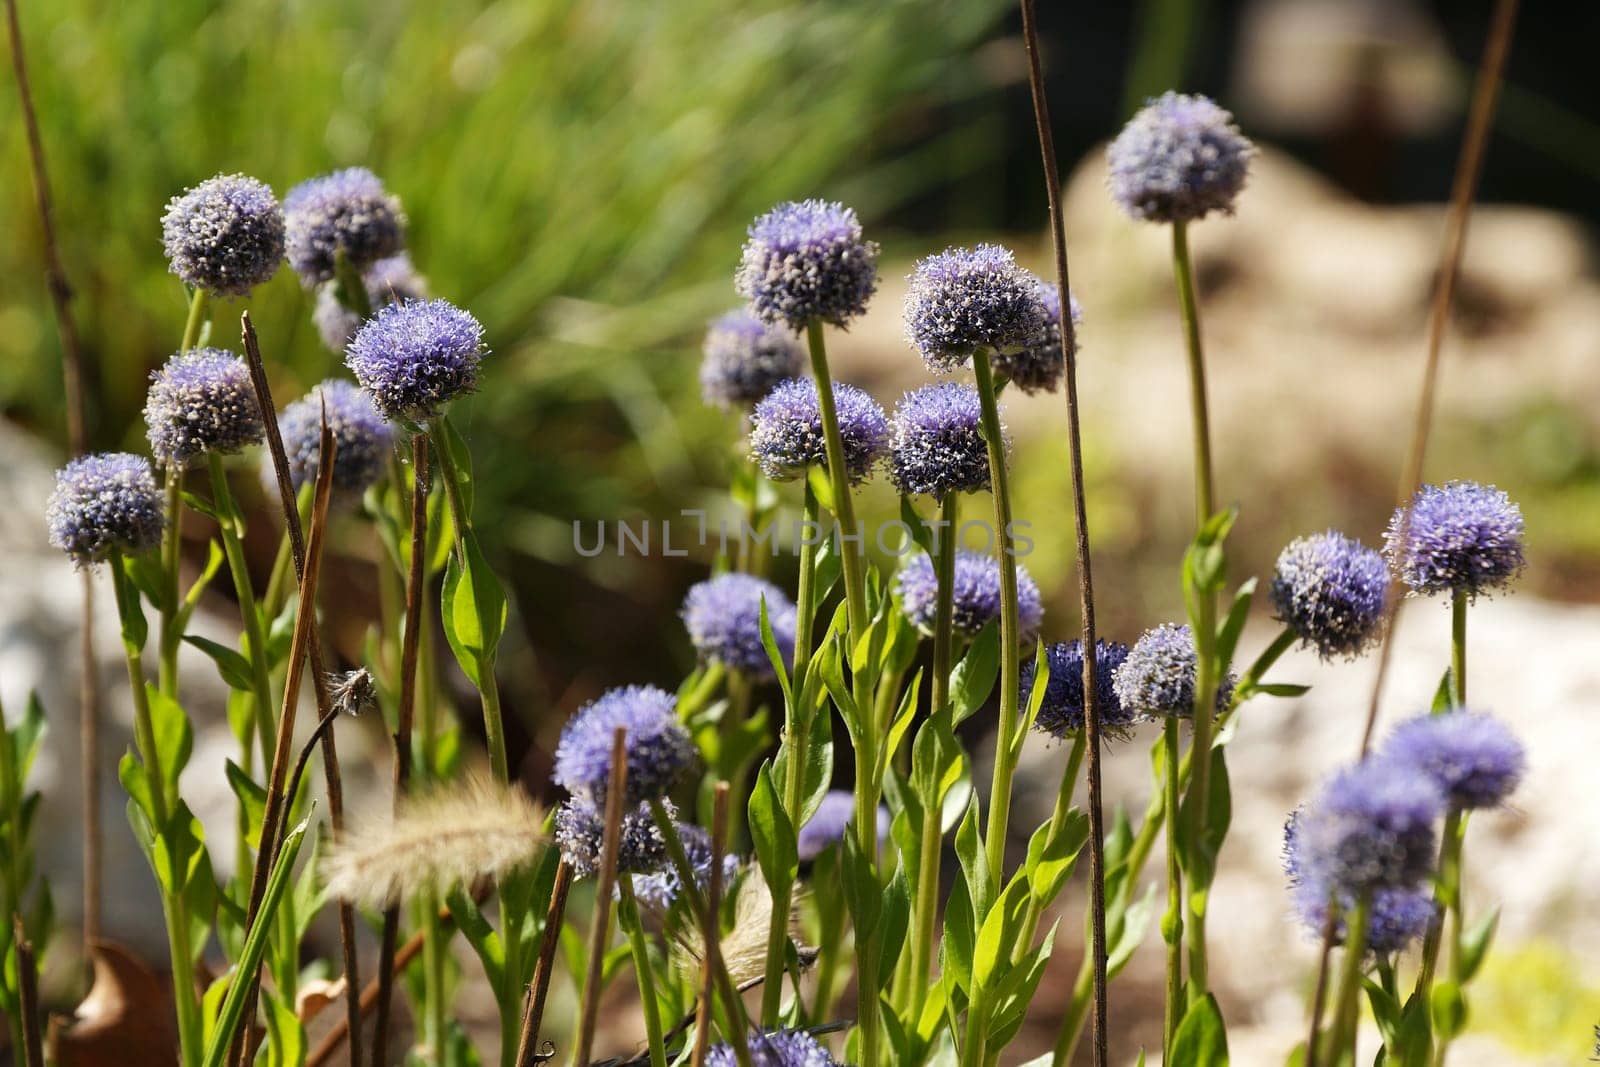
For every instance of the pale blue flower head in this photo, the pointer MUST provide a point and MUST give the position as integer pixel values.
(1038, 368)
(1473, 757)
(103, 503)
(363, 439)
(723, 617)
(806, 261)
(1062, 714)
(786, 434)
(225, 235)
(1463, 538)
(416, 356)
(660, 752)
(936, 443)
(201, 401)
(776, 1048)
(662, 887)
(975, 596)
(388, 281)
(1371, 826)
(346, 212)
(744, 358)
(580, 830)
(964, 299)
(831, 821)
(1330, 590)
(1397, 918)
(1179, 159)
(1158, 676)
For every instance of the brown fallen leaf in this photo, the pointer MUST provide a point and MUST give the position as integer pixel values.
(126, 1019)
(316, 995)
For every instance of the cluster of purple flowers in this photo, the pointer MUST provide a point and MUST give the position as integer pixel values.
(936, 443)
(786, 432)
(1178, 160)
(1061, 709)
(362, 438)
(723, 616)
(964, 299)
(225, 235)
(1330, 590)
(201, 401)
(1157, 677)
(975, 594)
(807, 263)
(105, 503)
(776, 1048)
(661, 886)
(388, 281)
(830, 822)
(745, 358)
(347, 213)
(1461, 538)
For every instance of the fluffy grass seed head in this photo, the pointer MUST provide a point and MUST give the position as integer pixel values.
(105, 502)
(1158, 676)
(461, 834)
(580, 827)
(1061, 714)
(744, 358)
(1179, 159)
(347, 211)
(776, 1048)
(1462, 538)
(786, 430)
(659, 750)
(1330, 590)
(975, 594)
(964, 299)
(806, 261)
(1473, 757)
(201, 401)
(225, 235)
(362, 436)
(416, 356)
(387, 281)
(936, 443)
(723, 617)
(1370, 826)
(1038, 368)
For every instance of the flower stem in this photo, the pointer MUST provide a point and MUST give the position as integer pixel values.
(844, 510)
(1458, 649)
(1058, 822)
(1172, 922)
(628, 919)
(228, 525)
(1342, 1033)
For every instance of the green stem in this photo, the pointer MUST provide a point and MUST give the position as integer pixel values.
(171, 555)
(351, 287)
(1058, 822)
(1341, 1035)
(1458, 649)
(1446, 900)
(1172, 923)
(1263, 663)
(844, 510)
(228, 524)
(867, 953)
(1205, 505)
(628, 919)
(1072, 1022)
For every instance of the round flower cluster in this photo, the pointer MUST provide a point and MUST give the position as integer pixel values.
(745, 358)
(1179, 159)
(830, 822)
(659, 750)
(225, 235)
(807, 262)
(975, 594)
(1038, 368)
(776, 1048)
(201, 401)
(786, 434)
(388, 281)
(104, 503)
(1472, 757)
(1462, 538)
(416, 356)
(345, 212)
(964, 299)
(723, 616)
(1158, 675)
(1330, 590)
(936, 443)
(1397, 918)
(1371, 826)
(1061, 712)
(660, 888)
(580, 829)
(362, 438)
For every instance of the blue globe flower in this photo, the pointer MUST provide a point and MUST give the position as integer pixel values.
(659, 750)
(786, 436)
(777, 1048)
(1158, 675)
(580, 828)
(1330, 589)
(1038, 368)
(723, 616)
(807, 262)
(201, 401)
(745, 358)
(1179, 159)
(1371, 826)
(1397, 919)
(416, 356)
(225, 235)
(363, 439)
(1062, 713)
(964, 299)
(1463, 538)
(936, 443)
(831, 821)
(1474, 758)
(388, 281)
(102, 503)
(975, 597)
(346, 212)
(661, 888)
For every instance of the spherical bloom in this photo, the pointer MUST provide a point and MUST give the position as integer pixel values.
(201, 401)
(745, 358)
(103, 503)
(580, 827)
(832, 819)
(975, 594)
(661, 887)
(806, 261)
(1038, 368)
(416, 356)
(1179, 159)
(964, 299)
(1471, 756)
(778, 1048)
(1330, 589)
(1398, 917)
(660, 752)
(362, 437)
(723, 615)
(936, 444)
(786, 430)
(388, 281)
(1463, 538)
(1158, 676)
(1371, 826)
(225, 235)
(1062, 712)
(347, 211)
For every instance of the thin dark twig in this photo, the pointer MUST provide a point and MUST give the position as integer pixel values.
(539, 989)
(334, 781)
(611, 843)
(72, 376)
(27, 995)
(404, 718)
(712, 926)
(1319, 993)
(1080, 516)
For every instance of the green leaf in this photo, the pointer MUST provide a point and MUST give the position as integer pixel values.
(1449, 1008)
(1200, 862)
(131, 615)
(483, 937)
(921, 532)
(252, 799)
(974, 863)
(1202, 1039)
(233, 667)
(991, 956)
(1051, 861)
(1475, 941)
(136, 783)
(780, 667)
(821, 488)
(772, 833)
(817, 765)
(473, 610)
(1280, 689)
(890, 935)
(956, 946)
(174, 736)
(974, 677)
(460, 457)
(286, 1038)
(1134, 922)
(1443, 696)
(1233, 625)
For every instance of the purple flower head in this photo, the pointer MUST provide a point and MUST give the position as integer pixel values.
(1463, 538)
(1398, 917)
(936, 444)
(580, 834)
(723, 616)
(806, 261)
(416, 356)
(1371, 826)
(362, 437)
(660, 752)
(388, 281)
(832, 819)
(1038, 368)
(225, 235)
(964, 299)
(660, 888)
(1330, 590)
(745, 358)
(1062, 713)
(1179, 159)
(201, 401)
(975, 594)
(1158, 675)
(347, 211)
(776, 1048)
(1471, 756)
(786, 430)
(102, 503)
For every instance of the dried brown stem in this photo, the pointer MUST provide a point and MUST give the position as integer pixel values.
(27, 995)
(600, 933)
(539, 989)
(710, 962)
(1080, 516)
(416, 578)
